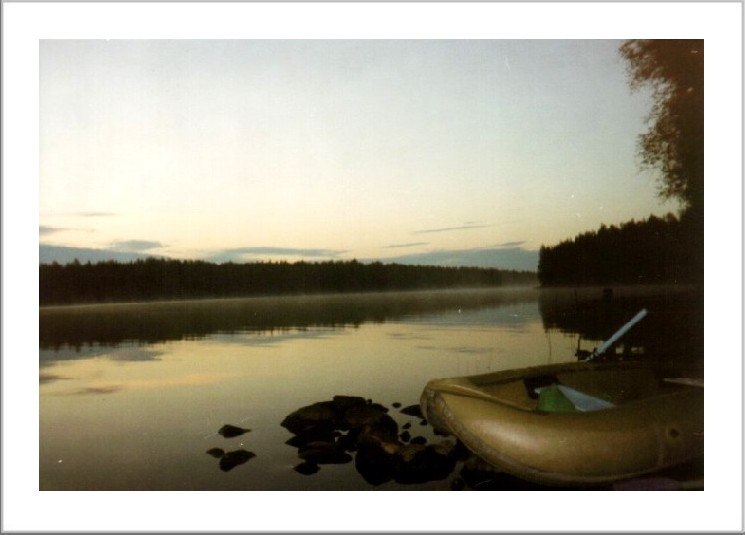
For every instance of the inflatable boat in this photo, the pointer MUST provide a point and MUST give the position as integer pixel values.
(573, 424)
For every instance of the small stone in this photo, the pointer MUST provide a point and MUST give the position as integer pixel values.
(235, 458)
(307, 468)
(230, 431)
(216, 452)
(413, 410)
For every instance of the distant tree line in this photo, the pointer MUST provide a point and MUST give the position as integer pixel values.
(652, 251)
(160, 279)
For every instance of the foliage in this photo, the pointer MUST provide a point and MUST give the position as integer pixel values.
(658, 250)
(674, 143)
(157, 279)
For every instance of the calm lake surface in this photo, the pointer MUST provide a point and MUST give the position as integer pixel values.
(132, 396)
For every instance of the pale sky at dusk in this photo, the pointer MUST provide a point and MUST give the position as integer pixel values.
(414, 150)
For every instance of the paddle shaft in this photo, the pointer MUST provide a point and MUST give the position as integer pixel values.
(620, 332)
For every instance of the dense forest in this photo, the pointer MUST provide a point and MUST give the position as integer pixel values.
(652, 251)
(164, 279)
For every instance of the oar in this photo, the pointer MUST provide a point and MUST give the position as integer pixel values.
(619, 333)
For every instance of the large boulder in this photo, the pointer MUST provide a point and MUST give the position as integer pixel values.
(313, 418)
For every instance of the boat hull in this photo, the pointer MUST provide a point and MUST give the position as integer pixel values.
(653, 425)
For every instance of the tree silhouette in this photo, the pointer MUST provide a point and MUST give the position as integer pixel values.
(651, 251)
(674, 143)
(159, 278)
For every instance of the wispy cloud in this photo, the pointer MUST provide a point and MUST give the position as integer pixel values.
(511, 244)
(506, 256)
(466, 226)
(99, 390)
(404, 245)
(288, 251)
(64, 255)
(79, 214)
(135, 245)
(94, 214)
(46, 231)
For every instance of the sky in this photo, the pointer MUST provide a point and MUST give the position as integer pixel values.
(447, 152)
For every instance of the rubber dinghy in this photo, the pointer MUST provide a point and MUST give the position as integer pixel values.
(579, 423)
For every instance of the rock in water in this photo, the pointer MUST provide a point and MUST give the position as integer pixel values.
(235, 458)
(328, 431)
(418, 463)
(216, 452)
(230, 431)
(324, 453)
(311, 435)
(412, 410)
(321, 416)
(342, 403)
(307, 468)
(360, 415)
(375, 460)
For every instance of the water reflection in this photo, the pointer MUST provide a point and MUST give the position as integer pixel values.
(130, 352)
(227, 460)
(231, 459)
(81, 327)
(672, 330)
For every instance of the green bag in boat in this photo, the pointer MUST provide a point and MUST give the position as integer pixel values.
(552, 399)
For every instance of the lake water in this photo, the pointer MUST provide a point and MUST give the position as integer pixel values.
(132, 396)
